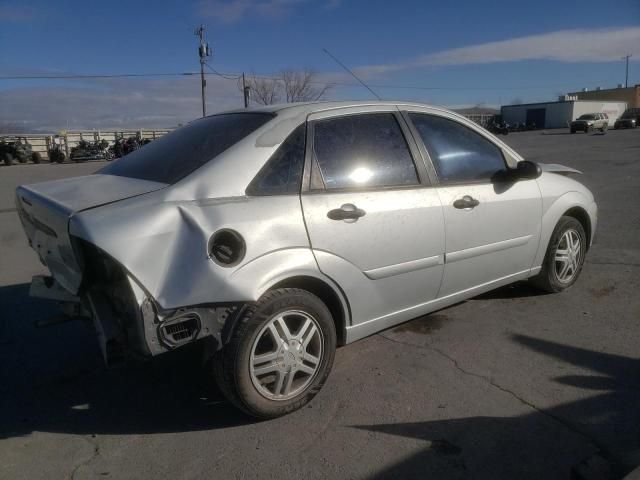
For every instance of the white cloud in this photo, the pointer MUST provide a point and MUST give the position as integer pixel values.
(331, 4)
(595, 45)
(230, 11)
(115, 103)
(17, 13)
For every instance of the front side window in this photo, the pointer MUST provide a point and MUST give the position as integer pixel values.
(458, 153)
(177, 154)
(363, 151)
(282, 174)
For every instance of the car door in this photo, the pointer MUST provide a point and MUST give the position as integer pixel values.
(375, 224)
(492, 226)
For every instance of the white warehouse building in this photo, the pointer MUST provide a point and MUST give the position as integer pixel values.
(559, 114)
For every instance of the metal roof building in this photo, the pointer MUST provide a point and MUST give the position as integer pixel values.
(560, 113)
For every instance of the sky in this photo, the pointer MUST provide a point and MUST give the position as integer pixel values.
(456, 53)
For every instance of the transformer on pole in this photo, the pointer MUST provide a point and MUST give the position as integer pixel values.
(204, 51)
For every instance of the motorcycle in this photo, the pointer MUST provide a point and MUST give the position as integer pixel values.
(98, 150)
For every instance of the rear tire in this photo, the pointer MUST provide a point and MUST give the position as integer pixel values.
(7, 159)
(267, 369)
(564, 258)
(56, 156)
(36, 157)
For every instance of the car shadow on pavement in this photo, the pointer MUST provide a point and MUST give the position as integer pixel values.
(514, 290)
(563, 132)
(53, 380)
(521, 447)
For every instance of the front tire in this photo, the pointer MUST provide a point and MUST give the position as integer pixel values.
(280, 354)
(564, 258)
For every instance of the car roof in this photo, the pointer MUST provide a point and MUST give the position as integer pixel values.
(312, 107)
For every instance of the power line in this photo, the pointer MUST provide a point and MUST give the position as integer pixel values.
(236, 76)
(223, 75)
(89, 76)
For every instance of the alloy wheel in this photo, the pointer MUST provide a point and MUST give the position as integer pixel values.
(286, 355)
(567, 256)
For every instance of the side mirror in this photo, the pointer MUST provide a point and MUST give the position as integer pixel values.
(526, 170)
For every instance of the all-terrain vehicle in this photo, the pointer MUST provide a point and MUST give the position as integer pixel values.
(17, 150)
(56, 154)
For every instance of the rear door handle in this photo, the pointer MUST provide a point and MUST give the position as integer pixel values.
(466, 202)
(347, 212)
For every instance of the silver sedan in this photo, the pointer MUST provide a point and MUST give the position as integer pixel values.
(274, 235)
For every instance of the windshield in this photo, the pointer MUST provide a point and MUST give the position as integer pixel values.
(587, 117)
(186, 149)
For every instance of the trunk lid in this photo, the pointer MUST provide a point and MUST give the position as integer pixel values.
(45, 209)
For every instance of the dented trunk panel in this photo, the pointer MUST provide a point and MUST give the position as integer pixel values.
(45, 209)
(164, 245)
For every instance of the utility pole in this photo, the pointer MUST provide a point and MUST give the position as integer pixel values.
(204, 51)
(626, 75)
(245, 92)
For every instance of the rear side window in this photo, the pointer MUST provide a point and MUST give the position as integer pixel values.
(458, 153)
(282, 174)
(363, 151)
(177, 154)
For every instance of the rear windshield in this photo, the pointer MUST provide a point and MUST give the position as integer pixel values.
(587, 117)
(177, 154)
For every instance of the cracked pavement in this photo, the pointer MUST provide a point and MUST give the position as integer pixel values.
(511, 384)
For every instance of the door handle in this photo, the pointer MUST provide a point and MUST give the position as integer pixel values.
(347, 212)
(466, 202)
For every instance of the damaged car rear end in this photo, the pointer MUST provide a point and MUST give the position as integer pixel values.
(90, 282)
(107, 239)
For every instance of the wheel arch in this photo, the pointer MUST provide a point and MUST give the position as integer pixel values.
(573, 203)
(582, 216)
(334, 300)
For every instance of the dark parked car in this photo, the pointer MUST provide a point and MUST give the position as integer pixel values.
(629, 119)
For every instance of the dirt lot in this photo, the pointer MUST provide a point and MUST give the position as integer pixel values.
(512, 384)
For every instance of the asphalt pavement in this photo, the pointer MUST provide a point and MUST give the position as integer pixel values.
(511, 384)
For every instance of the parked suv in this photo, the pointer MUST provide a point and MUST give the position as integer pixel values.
(589, 122)
(275, 234)
(629, 119)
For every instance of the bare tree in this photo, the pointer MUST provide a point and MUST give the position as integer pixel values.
(264, 91)
(301, 86)
(288, 85)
